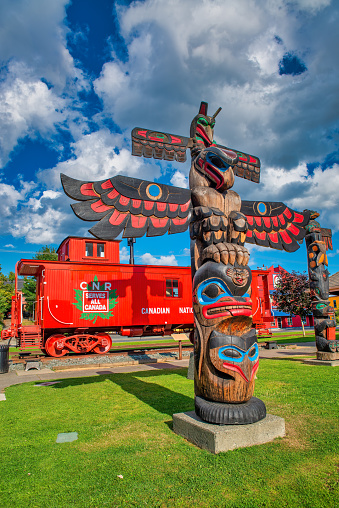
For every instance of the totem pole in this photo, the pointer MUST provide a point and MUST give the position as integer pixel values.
(317, 240)
(226, 355)
(225, 346)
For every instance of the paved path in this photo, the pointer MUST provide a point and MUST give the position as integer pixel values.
(302, 349)
(18, 377)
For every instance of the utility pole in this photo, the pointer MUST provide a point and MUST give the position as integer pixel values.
(130, 242)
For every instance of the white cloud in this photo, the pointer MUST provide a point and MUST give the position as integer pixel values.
(34, 32)
(32, 214)
(311, 5)
(301, 190)
(39, 81)
(10, 197)
(100, 155)
(9, 246)
(149, 259)
(35, 203)
(18, 251)
(179, 180)
(29, 108)
(124, 254)
(38, 228)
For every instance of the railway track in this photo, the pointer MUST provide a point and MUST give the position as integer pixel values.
(115, 351)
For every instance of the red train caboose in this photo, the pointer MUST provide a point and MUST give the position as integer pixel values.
(87, 293)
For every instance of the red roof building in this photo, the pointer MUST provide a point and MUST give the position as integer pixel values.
(281, 319)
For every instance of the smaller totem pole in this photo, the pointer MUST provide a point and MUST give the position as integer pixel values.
(324, 325)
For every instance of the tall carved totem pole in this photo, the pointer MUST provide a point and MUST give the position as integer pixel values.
(225, 348)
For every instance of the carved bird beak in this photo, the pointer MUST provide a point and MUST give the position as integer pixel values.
(217, 112)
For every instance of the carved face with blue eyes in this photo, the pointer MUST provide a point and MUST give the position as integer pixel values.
(235, 359)
(219, 291)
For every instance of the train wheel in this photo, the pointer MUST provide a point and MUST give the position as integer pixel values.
(55, 346)
(105, 346)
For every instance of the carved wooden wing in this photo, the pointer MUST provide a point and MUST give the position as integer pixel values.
(275, 225)
(326, 236)
(247, 167)
(161, 145)
(129, 205)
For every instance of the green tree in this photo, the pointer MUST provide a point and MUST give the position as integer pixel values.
(7, 286)
(337, 316)
(292, 294)
(47, 253)
(29, 292)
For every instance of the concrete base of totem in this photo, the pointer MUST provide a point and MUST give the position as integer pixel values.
(324, 355)
(221, 438)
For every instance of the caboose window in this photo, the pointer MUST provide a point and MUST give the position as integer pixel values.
(101, 250)
(172, 288)
(89, 249)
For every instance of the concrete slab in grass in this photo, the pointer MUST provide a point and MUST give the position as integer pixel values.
(48, 383)
(2, 396)
(221, 438)
(328, 363)
(67, 437)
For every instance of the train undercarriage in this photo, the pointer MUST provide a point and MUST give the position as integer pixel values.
(58, 344)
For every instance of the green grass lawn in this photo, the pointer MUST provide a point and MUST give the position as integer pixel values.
(124, 423)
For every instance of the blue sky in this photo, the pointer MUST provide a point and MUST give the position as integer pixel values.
(77, 76)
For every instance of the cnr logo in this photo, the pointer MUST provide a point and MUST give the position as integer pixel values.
(95, 285)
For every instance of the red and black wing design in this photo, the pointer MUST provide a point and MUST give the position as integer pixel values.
(129, 205)
(159, 145)
(248, 166)
(275, 225)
